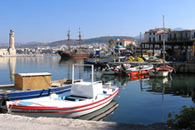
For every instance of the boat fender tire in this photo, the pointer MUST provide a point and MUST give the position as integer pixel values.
(3, 103)
(3, 107)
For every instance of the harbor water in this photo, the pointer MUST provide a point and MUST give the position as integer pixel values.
(141, 100)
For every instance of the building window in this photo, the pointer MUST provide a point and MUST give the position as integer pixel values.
(149, 39)
(186, 35)
(153, 33)
(181, 35)
(194, 34)
(147, 46)
(143, 45)
(153, 39)
(159, 37)
(121, 43)
(157, 46)
(174, 35)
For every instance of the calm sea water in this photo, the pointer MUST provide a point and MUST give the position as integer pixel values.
(140, 100)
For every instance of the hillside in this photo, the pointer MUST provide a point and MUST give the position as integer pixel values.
(103, 39)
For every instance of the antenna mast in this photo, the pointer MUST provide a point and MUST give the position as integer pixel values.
(163, 42)
(163, 22)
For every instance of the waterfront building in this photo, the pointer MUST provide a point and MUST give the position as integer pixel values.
(184, 35)
(156, 35)
(124, 43)
(11, 51)
(192, 34)
(178, 43)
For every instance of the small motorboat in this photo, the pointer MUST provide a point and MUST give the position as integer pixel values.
(110, 70)
(162, 71)
(129, 70)
(21, 95)
(99, 61)
(84, 98)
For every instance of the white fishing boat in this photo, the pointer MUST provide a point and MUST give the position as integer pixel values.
(129, 70)
(99, 61)
(162, 71)
(110, 70)
(84, 98)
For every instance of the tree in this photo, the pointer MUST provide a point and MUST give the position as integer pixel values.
(111, 43)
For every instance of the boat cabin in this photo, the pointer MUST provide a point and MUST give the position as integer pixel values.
(87, 89)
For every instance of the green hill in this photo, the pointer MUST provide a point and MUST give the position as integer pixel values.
(103, 39)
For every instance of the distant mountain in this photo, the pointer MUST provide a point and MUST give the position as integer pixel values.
(178, 29)
(103, 39)
(138, 37)
(32, 42)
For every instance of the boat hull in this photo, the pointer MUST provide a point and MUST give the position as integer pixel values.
(141, 72)
(159, 73)
(70, 112)
(64, 55)
(35, 93)
(98, 61)
(108, 72)
(162, 71)
(135, 71)
(101, 113)
(69, 55)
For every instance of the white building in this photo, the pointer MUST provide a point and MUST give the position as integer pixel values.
(192, 34)
(124, 43)
(156, 35)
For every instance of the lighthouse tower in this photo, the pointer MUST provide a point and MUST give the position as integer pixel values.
(12, 50)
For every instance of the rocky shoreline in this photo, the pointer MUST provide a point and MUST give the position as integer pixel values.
(13, 122)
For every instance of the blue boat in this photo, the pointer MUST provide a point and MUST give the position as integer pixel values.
(30, 94)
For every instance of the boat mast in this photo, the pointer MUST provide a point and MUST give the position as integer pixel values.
(68, 35)
(79, 36)
(163, 42)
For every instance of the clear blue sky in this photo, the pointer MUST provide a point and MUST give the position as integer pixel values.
(49, 20)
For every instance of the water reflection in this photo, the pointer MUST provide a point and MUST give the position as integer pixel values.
(143, 98)
(12, 66)
(177, 85)
(102, 113)
(122, 81)
(8, 62)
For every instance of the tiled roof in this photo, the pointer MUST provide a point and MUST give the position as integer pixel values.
(126, 40)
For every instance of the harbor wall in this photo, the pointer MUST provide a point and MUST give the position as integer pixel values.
(183, 67)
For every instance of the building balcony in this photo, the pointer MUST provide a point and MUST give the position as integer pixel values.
(179, 39)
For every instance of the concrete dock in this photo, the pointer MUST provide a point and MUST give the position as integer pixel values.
(13, 122)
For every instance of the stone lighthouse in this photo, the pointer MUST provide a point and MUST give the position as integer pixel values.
(12, 50)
